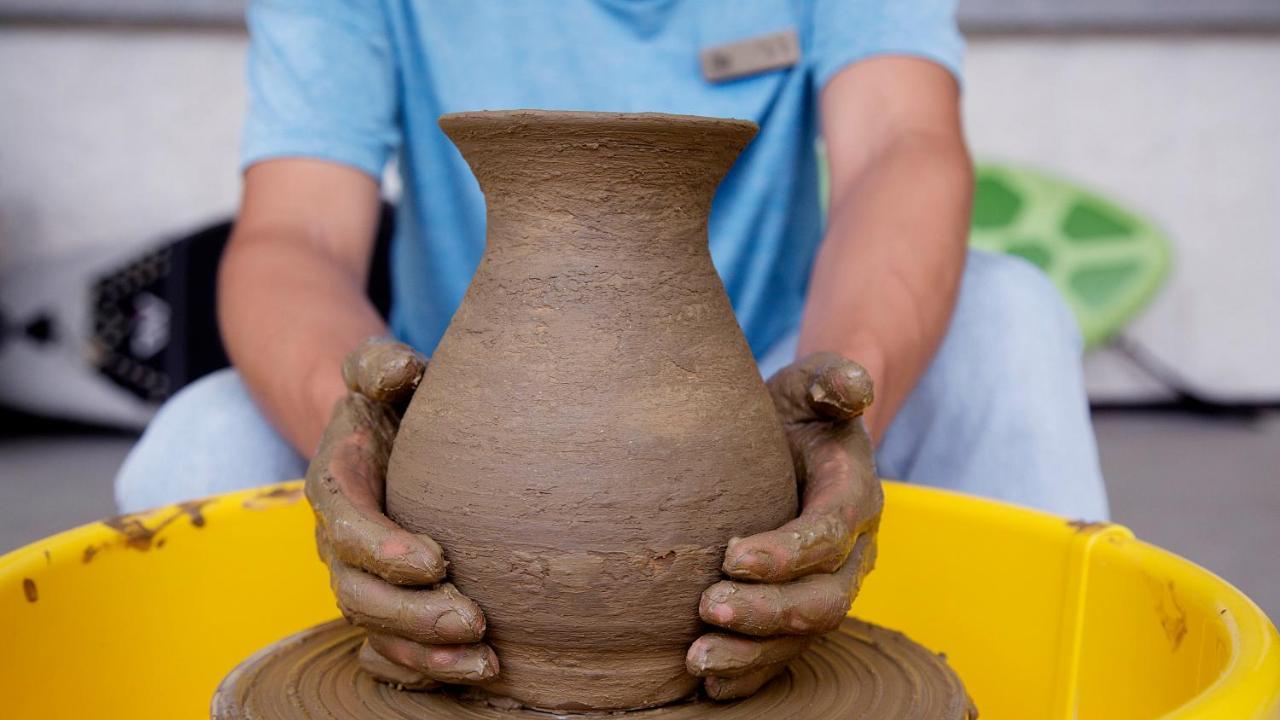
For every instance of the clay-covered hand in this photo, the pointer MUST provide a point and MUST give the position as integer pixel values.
(421, 630)
(797, 582)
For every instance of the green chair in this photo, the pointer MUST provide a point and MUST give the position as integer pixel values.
(1106, 261)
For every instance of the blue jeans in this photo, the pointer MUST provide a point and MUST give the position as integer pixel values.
(1001, 412)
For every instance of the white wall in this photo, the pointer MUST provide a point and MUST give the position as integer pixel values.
(1185, 131)
(110, 137)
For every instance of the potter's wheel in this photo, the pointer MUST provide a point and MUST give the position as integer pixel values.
(858, 671)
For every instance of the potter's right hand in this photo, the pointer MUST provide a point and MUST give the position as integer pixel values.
(389, 581)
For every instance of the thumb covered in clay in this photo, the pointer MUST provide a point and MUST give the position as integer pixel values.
(384, 370)
(821, 386)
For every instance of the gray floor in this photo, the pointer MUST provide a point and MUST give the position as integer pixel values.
(53, 483)
(1207, 490)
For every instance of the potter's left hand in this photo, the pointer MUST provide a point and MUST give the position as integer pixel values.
(797, 582)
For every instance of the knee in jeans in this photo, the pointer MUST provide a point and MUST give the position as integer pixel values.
(208, 424)
(219, 392)
(1019, 305)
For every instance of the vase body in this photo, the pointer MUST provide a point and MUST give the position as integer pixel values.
(592, 428)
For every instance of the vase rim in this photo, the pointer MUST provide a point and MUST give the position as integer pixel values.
(505, 120)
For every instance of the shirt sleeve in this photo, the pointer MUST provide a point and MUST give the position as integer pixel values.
(321, 83)
(846, 31)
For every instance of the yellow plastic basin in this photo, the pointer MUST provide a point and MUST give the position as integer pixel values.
(140, 617)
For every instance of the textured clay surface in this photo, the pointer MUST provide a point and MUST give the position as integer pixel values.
(858, 671)
(592, 429)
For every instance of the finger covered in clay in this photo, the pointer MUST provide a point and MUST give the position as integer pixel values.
(726, 655)
(842, 501)
(811, 605)
(815, 542)
(470, 664)
(440, 615)
(385, 550)
(740, 686)
(384, 370)
(372, 662)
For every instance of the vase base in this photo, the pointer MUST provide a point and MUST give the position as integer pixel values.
(859, 670)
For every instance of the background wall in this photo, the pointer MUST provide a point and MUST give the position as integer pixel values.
(116, 136)
(1183, 130)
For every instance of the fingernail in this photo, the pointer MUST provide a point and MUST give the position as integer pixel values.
(719, 688)
(720, 593)
(393, 547)
(696, 660)
(720, 612)
(425, 562)
(822, 394)
(443, 657)
(762, 561)
(758, 562)
(452, 626)
(479, 668)
(466, 666)
(461, 664)
(487, 667)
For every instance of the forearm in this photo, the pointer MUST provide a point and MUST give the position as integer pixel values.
(289, 314)
(886, 277)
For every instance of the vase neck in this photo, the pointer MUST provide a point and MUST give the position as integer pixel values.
(613, 177)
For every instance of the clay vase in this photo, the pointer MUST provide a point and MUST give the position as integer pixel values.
(592, 429)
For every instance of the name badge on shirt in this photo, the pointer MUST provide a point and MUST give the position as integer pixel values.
(763, 53)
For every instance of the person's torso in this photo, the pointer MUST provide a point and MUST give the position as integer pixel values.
(603, 55)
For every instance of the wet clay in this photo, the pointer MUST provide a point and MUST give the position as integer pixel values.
(858, 671)
(592, 428)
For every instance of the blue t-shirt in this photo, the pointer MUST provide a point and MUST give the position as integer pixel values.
(358, 81)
